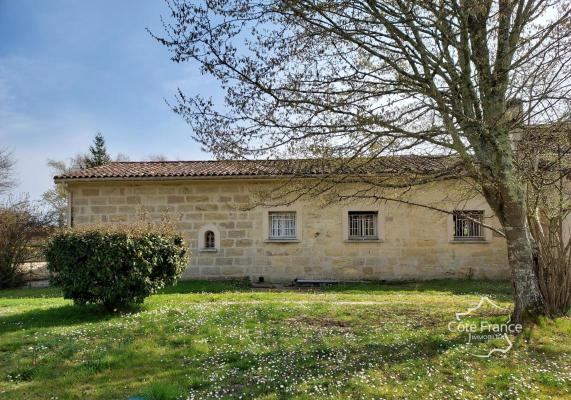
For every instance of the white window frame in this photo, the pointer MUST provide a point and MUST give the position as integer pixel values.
(266, 225)
(486, 234)
(380, 223)
(467, 221)
(363, 225)
(282, 225)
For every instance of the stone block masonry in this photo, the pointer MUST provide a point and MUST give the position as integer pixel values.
(413, 243)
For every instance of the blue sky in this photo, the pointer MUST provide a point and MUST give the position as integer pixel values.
(70, 68)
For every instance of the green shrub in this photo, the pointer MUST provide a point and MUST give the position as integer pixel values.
(115, 265)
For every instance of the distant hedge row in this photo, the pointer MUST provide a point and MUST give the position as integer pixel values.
(115, 265)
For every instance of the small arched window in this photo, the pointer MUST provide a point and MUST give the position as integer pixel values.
(209, 240)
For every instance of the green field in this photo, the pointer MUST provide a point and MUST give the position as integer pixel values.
(216, 340)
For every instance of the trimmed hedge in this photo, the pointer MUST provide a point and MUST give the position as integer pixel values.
(115, 265)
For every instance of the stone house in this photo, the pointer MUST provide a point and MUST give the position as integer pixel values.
(354, 240)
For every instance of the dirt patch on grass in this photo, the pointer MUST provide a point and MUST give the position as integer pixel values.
(321, 322)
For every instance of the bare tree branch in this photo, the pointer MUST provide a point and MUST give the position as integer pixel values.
(6, 171)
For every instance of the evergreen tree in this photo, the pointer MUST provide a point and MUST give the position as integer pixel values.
(97, 153)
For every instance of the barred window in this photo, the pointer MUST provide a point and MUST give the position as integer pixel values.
(282, 225)
(209, 240)
(467, 224)
(363, 225)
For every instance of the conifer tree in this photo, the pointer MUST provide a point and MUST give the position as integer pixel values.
(97, 153)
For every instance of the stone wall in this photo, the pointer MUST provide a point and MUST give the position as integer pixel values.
(415, 243)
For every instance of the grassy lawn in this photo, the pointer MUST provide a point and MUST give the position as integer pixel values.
(203, 340)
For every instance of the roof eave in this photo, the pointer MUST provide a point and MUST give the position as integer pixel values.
(168, 178)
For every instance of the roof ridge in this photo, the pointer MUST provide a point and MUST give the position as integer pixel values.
(257, 168)
(271, 159)
(197, 161)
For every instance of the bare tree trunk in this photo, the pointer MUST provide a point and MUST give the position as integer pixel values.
(529, 302)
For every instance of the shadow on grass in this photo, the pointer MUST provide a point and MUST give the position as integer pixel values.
(32, 293)
(460, 287)
(183, 287)
(500, 289)
(59, 316)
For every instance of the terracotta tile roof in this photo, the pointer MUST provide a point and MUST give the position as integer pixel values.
(262, 168)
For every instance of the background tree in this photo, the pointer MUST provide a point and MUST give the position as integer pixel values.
(543, 158)
(97, 153)
(55, 198)
(6, 171)
(22, 222)
(157, 157)
(122, 157)
(360, 80)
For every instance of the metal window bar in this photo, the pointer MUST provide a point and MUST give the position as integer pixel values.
(362, 225)
(209, 240)
(467, 225)
(282, 225)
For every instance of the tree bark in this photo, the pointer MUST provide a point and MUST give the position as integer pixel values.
(528, 300)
